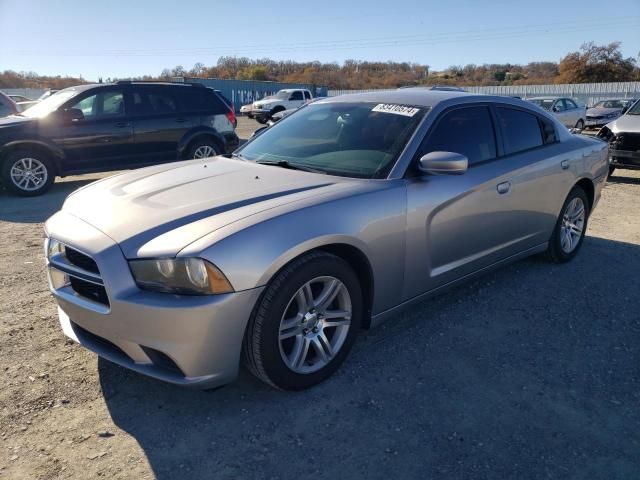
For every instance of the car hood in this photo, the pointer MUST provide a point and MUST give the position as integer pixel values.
(626, 123)
(159, 210)
(598, 112)
(14, 120)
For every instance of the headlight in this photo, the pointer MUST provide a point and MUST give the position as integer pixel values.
(188, 276)
(53, 247)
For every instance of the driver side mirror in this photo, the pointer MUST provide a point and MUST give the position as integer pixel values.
(72, 115)
(443, 163)
(556, 108)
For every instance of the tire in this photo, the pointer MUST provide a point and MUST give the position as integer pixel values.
(204, 148)
(557, 251)
(261, 119)
(36, 163)
(580, 124)
(275, 110)
(273, 359)
(611, 170)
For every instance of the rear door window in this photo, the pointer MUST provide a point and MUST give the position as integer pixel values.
(201, 100)
(520, 130)
(468, 131)
(570, 103)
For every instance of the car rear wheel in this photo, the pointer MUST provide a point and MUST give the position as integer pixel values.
(305, 323)
(27, 172)
(571, 227)
(203, 149)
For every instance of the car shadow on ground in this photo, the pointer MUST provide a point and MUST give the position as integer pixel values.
(530, 372)
(620, 178)
(37, 209)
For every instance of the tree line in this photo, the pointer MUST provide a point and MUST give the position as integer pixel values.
(591, 63)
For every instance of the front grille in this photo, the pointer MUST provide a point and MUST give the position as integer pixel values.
(89, 290)
(81, 260)
(626, 141)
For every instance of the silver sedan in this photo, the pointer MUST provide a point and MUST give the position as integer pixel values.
(328, 222)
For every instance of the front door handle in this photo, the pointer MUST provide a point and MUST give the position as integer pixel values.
(564, 164)
(503, 187)
(181, 120)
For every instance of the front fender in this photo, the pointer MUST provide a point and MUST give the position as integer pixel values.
(56, 153)
(251, 251)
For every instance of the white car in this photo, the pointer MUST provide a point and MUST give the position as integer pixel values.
(568, 111)
(287, 99)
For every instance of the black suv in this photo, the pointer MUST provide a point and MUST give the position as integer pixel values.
(92, 128)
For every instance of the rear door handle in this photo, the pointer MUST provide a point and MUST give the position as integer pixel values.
(503, 187)
(564, 164)
(121, 124)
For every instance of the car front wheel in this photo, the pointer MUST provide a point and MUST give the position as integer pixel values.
(580, 124)
(567, 237)
(27, 172)
(305, 323)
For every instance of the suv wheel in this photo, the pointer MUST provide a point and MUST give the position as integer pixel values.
(27, 172)
(305, 323)
(203, 149)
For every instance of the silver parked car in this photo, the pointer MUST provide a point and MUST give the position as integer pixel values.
(607, 111)
(328, 222)
(567, 110)
(623, 136)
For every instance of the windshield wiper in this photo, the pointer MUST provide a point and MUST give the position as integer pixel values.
(290, 166)
(238, 155)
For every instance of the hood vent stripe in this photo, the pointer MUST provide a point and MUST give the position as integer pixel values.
(131, 244)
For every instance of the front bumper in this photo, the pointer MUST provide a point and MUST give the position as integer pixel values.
(624, 159)
(185, 340)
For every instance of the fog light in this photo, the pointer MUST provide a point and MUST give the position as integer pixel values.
(58, 279)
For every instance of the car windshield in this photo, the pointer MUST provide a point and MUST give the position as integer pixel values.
(360, 140)
(282, 95)
(635, 109)
(49, 104)
(609, 104)
(543, 102)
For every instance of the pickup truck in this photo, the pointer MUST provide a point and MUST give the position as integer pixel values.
(286, 99)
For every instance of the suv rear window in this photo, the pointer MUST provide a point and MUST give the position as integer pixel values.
(200, 100)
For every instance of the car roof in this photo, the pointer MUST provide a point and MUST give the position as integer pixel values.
(548, 97)
(423, 97)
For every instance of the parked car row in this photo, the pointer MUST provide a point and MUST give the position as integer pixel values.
(623, 136)
(101, 127)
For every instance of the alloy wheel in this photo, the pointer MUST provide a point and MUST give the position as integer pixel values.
(572, 226)
(204, 151)
(315, 324)
(29, 174)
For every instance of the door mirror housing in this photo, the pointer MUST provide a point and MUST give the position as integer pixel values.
(72, 115)
(443, 163)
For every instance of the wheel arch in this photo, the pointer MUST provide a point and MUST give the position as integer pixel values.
(589, 188)
(196, 135)
(51, 152)
(347, 251)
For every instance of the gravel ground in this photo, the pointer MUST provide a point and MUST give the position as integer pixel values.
(530, 372)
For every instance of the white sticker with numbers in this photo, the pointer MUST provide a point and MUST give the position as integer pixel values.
(396, 109)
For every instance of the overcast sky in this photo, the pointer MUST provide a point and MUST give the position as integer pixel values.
(116, 38)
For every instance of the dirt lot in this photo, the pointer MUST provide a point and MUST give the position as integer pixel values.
(530, 372)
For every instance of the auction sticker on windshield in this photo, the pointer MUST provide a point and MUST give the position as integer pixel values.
(397, 109)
